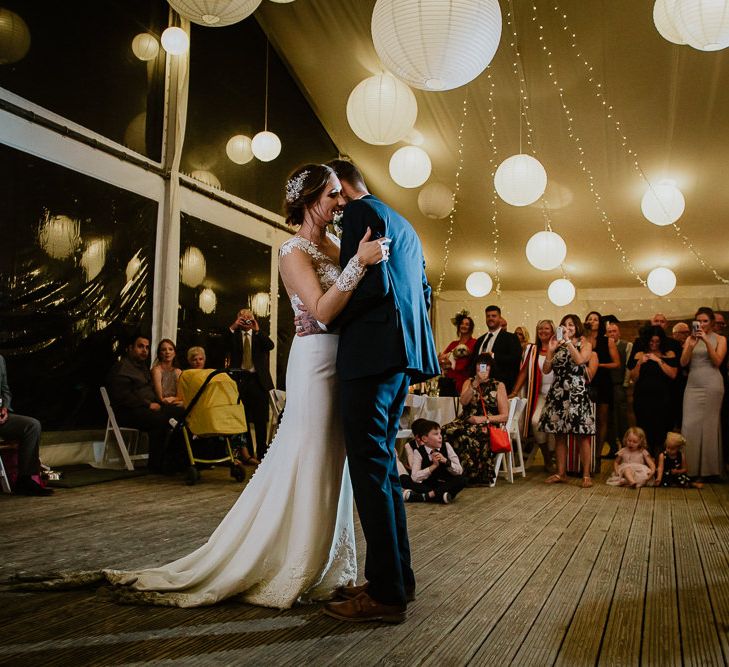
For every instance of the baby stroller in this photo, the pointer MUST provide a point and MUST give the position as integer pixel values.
(212, 410)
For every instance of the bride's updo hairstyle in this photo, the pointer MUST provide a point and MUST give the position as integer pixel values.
(303, 189)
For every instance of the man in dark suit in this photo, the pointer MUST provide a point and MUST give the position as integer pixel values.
(248, 349)
(385, 344)
(503, 346)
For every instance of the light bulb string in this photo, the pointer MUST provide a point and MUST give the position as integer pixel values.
(494, 162)
(265, 103)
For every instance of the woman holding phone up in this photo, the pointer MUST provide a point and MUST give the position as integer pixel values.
(484, 402)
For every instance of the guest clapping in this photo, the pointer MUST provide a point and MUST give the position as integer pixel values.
(165, 373)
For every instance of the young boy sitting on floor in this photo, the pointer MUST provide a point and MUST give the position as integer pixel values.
(435, 465)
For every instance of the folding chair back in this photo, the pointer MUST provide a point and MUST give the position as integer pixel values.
(120, 443)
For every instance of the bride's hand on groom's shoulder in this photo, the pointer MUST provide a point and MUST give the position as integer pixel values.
(373, 252)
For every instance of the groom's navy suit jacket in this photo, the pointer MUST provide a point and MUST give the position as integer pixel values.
(385, 325)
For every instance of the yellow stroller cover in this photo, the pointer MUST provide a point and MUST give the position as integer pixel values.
(217, 411)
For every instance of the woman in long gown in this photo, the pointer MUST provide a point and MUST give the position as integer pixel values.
(703, 353)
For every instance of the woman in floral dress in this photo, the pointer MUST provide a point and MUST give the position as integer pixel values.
(484, 402)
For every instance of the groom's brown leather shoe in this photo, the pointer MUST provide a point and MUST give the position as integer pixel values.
(364, 608)
(349, 592)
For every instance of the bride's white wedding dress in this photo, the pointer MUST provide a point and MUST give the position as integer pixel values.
(290, 535)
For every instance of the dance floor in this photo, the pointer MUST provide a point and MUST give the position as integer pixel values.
(523, 574)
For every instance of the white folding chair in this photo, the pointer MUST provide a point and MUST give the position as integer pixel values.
(277, 401)
(515, 434)
(4, 479)
(507, 458)
(118, 451)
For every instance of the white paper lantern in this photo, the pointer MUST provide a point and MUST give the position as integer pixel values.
(93, 258)
(14, 37)
(703, 24)
(479, 284)
(145, 46)
(175, 41)
(207, 301)
(665, 22)
(381, 110)
(435, 201)
(415, 138)
(436, 44)
(207, 177)
(561, 292)
(663, 204)
(546, 250)
(239, 149)
(520, 180)
(282, 2)
(266, 146)
(410, 166)
(260, 304)
(661, 281)
(59, 236)
(192, 267)
(215, 13)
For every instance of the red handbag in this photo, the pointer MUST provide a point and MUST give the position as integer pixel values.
(499, 439)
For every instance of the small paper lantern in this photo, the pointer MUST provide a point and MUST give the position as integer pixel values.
(703, 24)
(266, 146)
(381, 110)
(59, 236)
(435, 201)
(561, 292)
(93, 258)
(207, 177)
(520, 180)
(663, 204)
(133, 266)
(260, 304)
(192, 267)
(207, 301)
(410, 166)
(665, 22)
(145, 46)
(14, 37)
(175, 41)
(661, 281)
(239, 149)
(479, 284)
(436, 45)
(546, 250)
(215, 13)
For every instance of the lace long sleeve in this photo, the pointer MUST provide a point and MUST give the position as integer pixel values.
(351, 275)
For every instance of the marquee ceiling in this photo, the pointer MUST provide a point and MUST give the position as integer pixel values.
(671, 102)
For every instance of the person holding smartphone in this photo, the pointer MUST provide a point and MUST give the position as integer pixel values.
(703, 353)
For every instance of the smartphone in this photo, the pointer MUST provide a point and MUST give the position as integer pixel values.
(695, 327)
(559, 333)
(482, 368)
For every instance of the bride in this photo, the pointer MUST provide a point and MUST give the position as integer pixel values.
(290, 534)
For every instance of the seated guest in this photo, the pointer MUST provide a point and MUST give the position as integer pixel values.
(411, 491)
(456, 358)
(165, 373)
(435, 464)
(484, 402)
(27, 432)
(196, 357)
(135, 403)
(672, 466)
(633, 466)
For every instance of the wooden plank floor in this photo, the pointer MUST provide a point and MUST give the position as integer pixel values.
(522, 574)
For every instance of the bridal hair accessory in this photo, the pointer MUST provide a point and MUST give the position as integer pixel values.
(456, 321)
(294, 186)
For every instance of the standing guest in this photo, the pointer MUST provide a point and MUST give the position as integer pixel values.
(196, 357)
(456, 358)
(618, 415)
(567, 408)
(435, 463)
(536, 385)
(720, 330)
(654, 370)
(703, 353)
(27, 431)
(658, 320)
(523, 335)
(608, 360)
(248, 349)
(166, 372)
(680, 332)
(503, 346)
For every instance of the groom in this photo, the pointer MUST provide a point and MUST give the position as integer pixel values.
(385, 344)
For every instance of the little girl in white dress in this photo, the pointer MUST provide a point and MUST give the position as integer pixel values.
(634, 466)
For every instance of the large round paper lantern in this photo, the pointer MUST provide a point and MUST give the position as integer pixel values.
(215, 13)
(703, 24)
(381, 110)
(175, 41)
(665, 22)
(435, 201)
(436, 44)
(14, 37)
(561, 292)
(479, 283)
(410, 166)
(260, 304)
(145, 46)
(520, 180)
(192, 267)
(266, 146)
(546, 250)
(59, 236)
(661, 281)
(207, 177)
(663, 204)
(207, 301)
(239, 149)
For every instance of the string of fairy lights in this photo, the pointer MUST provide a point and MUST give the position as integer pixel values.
(610, 113)
(456, 191)
(494, 163)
